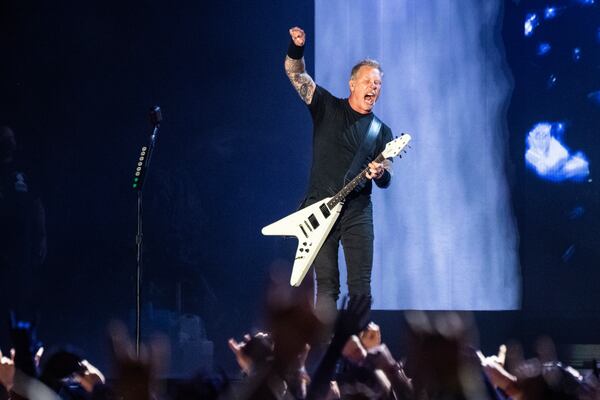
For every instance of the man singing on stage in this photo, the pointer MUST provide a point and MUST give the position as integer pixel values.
(344, 141)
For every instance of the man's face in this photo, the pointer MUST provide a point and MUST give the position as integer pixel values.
(365, 89)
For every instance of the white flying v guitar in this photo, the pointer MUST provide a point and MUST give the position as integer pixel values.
(312, 224)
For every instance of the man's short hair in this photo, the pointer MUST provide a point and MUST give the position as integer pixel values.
(367, 62)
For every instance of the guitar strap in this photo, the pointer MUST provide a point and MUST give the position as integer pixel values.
(366, 148)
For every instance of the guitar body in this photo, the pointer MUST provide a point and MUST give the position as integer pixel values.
(311, 226)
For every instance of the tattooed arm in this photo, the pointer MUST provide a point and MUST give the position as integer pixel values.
(295, 68)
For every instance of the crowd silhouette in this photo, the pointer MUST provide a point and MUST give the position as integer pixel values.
(296, 356)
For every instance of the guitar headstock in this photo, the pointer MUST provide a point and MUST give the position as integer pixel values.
(393, 148)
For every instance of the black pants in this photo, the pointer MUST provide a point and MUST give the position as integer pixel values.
(354, 229)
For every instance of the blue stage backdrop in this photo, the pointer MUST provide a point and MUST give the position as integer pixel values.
(445, 233)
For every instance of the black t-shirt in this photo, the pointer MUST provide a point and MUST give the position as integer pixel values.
(338, 134)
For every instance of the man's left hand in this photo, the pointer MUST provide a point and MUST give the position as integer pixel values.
(376, 170)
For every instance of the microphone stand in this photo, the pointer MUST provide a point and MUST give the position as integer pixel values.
(138, 184)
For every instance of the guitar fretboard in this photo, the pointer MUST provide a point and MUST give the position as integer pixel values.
(346, 190)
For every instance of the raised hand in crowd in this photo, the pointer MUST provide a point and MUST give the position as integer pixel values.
(542, 377)
(381, 358)
(23, 336)
(275, 361)
(7, 371)
(493, 366)
(354, 351)
(71, 376)
(441, 362)
(136, 377)
(237, 348)
(334, 392)
(371, 336)
(90, 376)
(26, 358)
(253, 352)
(350, 321)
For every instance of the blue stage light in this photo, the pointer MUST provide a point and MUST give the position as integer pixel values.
(543, 49)
(550, 12)
(594, 97)
(576, 212)
(568, 254)
(551, 81)
(548, 156)
(576, 54)
(531, 22)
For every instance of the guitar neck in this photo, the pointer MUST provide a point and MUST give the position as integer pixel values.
(350, 186)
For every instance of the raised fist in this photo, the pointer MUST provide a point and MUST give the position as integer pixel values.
(298, 36)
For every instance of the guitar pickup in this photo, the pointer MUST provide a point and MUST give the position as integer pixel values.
(313, 221)
(325, 210)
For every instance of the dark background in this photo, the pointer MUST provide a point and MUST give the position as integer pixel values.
(77, 81)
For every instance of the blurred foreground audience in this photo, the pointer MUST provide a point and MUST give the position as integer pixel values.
(442, 363)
